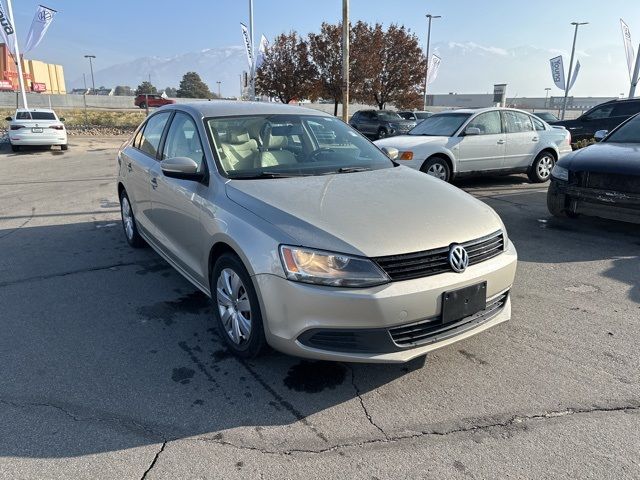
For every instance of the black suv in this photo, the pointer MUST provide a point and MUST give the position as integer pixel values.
(605, 116)
(380, 123)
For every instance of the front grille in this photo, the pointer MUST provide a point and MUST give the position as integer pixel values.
(616, 183)
(433, 262)
(432, 330)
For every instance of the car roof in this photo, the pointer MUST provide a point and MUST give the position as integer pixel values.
(231, 108)
(481, 110)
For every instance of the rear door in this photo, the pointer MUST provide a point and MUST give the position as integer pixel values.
(621, 112)
(522, 139)
(485, 151)
(138, 159)
(176, 203)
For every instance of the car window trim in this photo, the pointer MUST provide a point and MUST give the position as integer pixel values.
(144, 127)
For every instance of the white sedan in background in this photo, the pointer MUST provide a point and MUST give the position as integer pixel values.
(37, 126)
(489, 140)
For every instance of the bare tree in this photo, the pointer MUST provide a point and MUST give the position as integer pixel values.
(287, 72)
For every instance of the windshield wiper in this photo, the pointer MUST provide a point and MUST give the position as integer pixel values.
(254, 175)
(351, 169)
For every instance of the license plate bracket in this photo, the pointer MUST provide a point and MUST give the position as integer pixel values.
(37, 130)
(464, 302)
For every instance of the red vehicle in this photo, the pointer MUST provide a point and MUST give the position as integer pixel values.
(152, 99)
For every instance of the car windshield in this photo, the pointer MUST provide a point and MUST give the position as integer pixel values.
(269, 146)
(423, 115)
(389, 116)
(35, 116)
(441, 125)
(627, 133)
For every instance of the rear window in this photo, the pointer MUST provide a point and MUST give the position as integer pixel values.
(35, 116)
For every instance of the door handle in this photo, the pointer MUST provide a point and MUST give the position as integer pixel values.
(534, 139)
(501, 142)
(129, 166)
(154, 183)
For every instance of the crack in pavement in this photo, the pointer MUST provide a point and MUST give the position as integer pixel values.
(155, 459)
(514, 420)
(71, 272)
(364, 408)
(33, 211)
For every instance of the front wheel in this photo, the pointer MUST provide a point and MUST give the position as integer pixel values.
(15, 148)
(129, 223)
(236, 308)
(382, 133)
(143, 105)
(540, 170)
(64, 147)
(437, 167)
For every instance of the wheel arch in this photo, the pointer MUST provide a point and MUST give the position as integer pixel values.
(443, 156)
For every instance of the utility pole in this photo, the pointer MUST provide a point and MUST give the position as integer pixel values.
(546, 97)
(345, 60)
(219, 96)
(93, 82)
(17, 53)
(253, 65)
(568, 79)
(426, 72)
(634, 79)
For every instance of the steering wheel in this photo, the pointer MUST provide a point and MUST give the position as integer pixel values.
(318, 151)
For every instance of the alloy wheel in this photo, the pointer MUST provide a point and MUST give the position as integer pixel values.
(127, 217)
(437, 170)
(234, 306)
(545, 165)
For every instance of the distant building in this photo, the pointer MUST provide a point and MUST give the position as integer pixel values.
(38, 76)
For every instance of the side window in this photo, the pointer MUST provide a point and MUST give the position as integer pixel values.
(152, 133)
(183, 140)
(138, 138)
(626, 109)
(538, 125)
(488, 123)
(516, 122)
(600, 112)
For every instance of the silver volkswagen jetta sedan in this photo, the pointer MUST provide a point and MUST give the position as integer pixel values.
(309, 238)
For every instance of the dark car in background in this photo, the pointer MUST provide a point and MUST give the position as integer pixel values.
(152, 100)
(547, 117)
(605, 116)
(415, 115)
(380, 123)
(602, 180)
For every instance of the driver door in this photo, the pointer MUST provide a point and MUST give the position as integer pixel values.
(484, 151)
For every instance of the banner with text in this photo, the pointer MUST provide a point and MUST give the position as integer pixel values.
(628, 47)
(39, 26)
(557, 72)
(247, 43)
(8, 34)
(262, 51)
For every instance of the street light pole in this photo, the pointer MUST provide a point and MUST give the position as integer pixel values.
(426, 72)
(568, 79)
(345, 61)
(546, 97)
(93, 82)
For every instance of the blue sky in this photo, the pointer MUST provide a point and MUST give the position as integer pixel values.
(493, 35)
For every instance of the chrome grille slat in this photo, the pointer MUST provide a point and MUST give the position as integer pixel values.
(433, 262)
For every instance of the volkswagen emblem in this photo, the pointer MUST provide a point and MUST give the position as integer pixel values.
(458, 258)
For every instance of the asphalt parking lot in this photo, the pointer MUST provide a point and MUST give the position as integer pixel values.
(110, 368)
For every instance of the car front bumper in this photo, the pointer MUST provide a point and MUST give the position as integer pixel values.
(362, 325)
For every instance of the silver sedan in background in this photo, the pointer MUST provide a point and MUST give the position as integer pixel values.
(308, 237)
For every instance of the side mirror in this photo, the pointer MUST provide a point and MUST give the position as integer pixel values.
(600, 134)
(391, 152)
(472, 131)
(8, 119)
(184, 168)
(61, 119)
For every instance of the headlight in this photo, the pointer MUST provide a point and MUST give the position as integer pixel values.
(560, 173)
(326, 268)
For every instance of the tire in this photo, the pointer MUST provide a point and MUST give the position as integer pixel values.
(143, 105)
(540, 170)
(129, 225)
(242, 331)
(556, 204)
(437, 167)
(64, 147)
(15, 148)
(382, 133)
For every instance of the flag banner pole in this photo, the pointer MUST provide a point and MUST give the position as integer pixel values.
(13, 32)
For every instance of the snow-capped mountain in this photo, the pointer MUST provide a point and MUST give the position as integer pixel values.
(214, 64)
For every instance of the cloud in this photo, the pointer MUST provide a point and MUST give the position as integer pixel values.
(467, 47)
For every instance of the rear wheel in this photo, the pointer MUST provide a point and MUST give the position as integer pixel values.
(437, 167)
(236, 308)
(382, 133)
(15, 148)
(540, 170)
(143, 105)
(129, 223)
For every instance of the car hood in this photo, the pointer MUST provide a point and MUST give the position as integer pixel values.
(616, 158)
(375, 213)
(403, 142)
